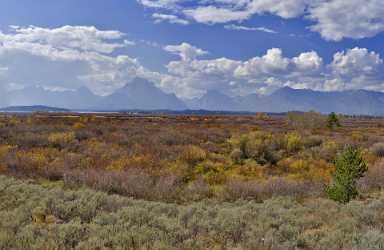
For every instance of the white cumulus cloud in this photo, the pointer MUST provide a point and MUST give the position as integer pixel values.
(185, 51)
(66, 57)
(356, 68)
(334, 20)
(245, 28)
(338, 19)
(169, 18)
(73, 56)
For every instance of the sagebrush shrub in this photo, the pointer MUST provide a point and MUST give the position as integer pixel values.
(79, 125)
(306, 120)
(378, 149)
(193, 154)
(259, 146)
(61, 140)
(237, 156)
(294, 142)
(94, 220)
(312, 141)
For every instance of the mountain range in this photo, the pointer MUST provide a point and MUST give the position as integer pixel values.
(141, 94)
(352, 102)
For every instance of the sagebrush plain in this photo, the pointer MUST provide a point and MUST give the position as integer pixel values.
(118, 181)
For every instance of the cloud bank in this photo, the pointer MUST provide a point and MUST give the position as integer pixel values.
(69, 57)
(66, 57)
(355, 68)
(334, 20)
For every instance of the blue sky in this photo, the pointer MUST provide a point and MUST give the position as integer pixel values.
(248, 45)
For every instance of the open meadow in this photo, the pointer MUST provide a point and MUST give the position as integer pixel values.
(119, 181)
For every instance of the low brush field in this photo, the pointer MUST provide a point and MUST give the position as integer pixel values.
(119, 181)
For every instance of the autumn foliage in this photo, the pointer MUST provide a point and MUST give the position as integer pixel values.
(181, 158)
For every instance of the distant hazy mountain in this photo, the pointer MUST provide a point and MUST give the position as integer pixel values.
(213, 100)
(288, 99)
(82, 98)
(37, 108)
(141, 94)
(3, 99)
(138, 94)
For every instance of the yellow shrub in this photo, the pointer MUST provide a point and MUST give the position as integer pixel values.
(86, 162)
(294, 142)
(262, 116)
(319, 170)
(13, 121)
(328, 150)
(39, 158)
(212, 172)
(79, 125)
(5, 149)
(118, 165)
(305, 169)
(358, 136)
(299, 166)
(250, 170)
(99, 154)
(30, 120)
(138, 161)
(193, 155)
(38, 215)
(61, 140)
(263, 147)
(307, 120)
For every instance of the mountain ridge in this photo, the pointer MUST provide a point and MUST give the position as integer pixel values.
(140, 94)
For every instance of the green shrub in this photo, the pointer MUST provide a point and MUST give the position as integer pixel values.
(237, 156)
(333, 121)
(350, 166)
(294, 142)
(312, 141)
(262, 147)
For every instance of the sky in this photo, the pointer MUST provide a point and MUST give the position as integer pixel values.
(189, 47)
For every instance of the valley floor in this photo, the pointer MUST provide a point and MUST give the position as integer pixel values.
(117, 181)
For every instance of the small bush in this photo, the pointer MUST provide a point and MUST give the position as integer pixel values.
(308, 120)
(79, 125)
(235, 189)
(259, 146)
(312, 141)
(193, 155)
(237, 156)
(358, 136)
(374, 178)
(294, 142)
(262, 116)
(327, 151)
(61, 140)
(378, 149)
(333, 121)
